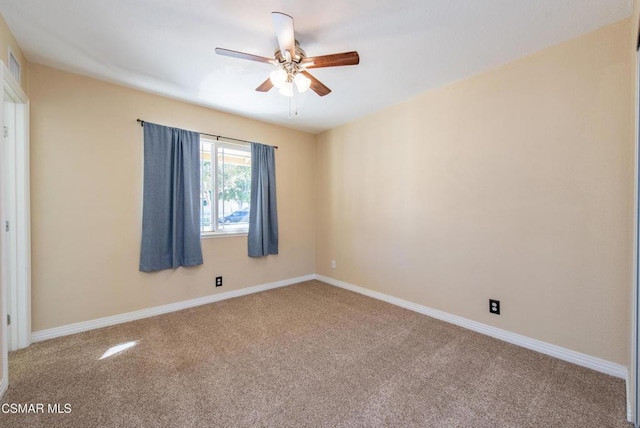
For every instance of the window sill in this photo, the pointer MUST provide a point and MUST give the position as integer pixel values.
(209, 235)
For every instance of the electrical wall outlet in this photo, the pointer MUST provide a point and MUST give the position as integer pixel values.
(494, 306)
(333, 264)
(218, 281)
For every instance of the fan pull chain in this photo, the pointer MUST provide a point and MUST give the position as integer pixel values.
(293, 104)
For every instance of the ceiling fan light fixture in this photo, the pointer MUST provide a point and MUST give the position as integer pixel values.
(302, 82)
(286, 89)
(278, 78)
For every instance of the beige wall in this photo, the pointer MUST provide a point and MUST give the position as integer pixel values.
(86, 187)
(7, 40)
(515, 184)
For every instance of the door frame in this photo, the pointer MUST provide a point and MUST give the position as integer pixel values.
(633, 398)
(17, 249)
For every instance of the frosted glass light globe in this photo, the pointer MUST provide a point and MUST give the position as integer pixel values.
(278, 77)
(302, 82)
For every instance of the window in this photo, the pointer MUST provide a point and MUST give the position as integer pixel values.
(225, 186)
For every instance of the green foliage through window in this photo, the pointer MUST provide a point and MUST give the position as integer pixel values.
(225, 176)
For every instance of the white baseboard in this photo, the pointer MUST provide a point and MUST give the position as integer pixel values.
(559, 352)
(38, 336)
(3, 387)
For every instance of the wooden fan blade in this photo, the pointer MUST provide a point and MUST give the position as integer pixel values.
(317, 86)
(283, 25)
(265, 86)
(242, 55)
(335, 60)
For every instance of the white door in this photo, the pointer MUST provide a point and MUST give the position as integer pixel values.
(11, 292)
(8, 181)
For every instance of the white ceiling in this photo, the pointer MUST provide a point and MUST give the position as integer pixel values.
(406, 46)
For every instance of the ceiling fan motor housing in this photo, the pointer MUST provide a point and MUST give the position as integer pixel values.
(298, 56)
(292, 66)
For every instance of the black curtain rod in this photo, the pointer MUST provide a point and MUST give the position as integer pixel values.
(217, 137)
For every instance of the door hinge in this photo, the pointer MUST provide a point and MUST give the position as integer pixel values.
(8, 319)
(6, 226)
(6, 132)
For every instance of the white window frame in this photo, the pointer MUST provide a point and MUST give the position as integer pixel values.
(217, 143)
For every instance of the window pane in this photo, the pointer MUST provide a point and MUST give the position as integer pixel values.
(234, 188)
(206, 187)
(225, 184)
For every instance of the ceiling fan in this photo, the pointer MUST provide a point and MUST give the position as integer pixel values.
(292, 62)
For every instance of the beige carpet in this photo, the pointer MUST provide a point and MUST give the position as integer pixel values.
(305, 355)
